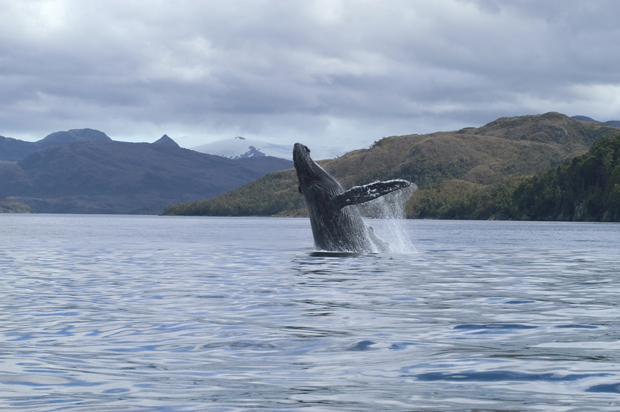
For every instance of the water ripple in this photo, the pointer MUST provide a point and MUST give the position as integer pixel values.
(137, 314)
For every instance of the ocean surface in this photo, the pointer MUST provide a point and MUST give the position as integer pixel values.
(149, 313)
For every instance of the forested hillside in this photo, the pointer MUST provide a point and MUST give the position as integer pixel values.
(448, 167)
(582, 188)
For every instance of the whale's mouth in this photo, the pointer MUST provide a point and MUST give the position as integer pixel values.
(300, 146)
(300, 151)
(310, 174)
(302, 160)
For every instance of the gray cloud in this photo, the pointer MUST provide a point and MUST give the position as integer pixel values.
(341, 72)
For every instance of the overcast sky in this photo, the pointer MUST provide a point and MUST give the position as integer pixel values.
(329, 72)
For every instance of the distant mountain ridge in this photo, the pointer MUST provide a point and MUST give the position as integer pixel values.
(240, 147)
(615, 123)
(165, 140)
(84, 171)
(15, 149)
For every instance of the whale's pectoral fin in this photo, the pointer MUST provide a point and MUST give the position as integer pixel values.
(361, 194)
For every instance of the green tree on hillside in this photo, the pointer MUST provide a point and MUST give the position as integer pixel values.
(585, 188)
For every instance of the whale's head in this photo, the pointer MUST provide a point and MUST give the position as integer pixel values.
(311, 176)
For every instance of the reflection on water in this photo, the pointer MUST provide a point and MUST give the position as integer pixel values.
(145, 313)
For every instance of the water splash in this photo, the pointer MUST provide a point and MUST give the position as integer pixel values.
(389, 210)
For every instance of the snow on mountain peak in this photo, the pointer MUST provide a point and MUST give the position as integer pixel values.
(241, 147)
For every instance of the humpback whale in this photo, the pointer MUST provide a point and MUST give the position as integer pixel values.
(336, 223)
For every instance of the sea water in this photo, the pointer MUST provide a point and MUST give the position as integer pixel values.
(148, 313)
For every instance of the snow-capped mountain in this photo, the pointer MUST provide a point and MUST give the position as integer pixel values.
(240, 147)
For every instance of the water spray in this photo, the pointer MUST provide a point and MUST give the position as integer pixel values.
(390, 209)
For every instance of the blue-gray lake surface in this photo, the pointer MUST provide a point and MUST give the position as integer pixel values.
(147, 313)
